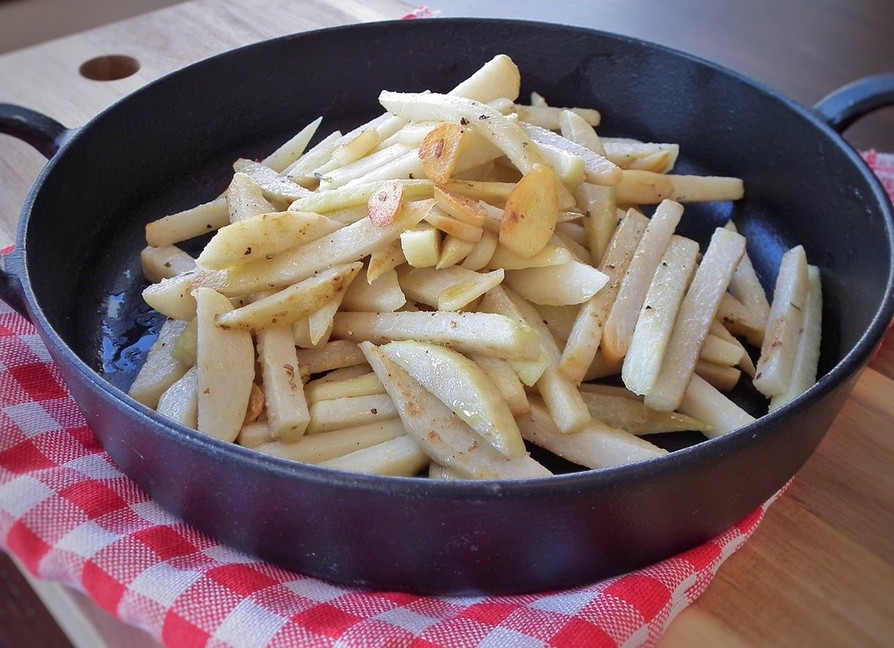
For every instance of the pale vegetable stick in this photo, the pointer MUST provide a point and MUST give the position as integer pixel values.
(444, 437)
(603, 217)
(497, 78)
(164, 262)
(406, 167)
(529, 371)
(488, 334)
(647, 187)
(354, 147)
(367, 384)
(306, 169)
(738, 320)
(632, 415)
(603, 389)
(777, 358)
(341, 150)
(655, 323)
(437, 471)
(551, 254)
(721, 352)
(319, 322)
(557, 285)
(745, 363)
(173, 297)
(723, 377)
(293, 303)
(293, 148)
(573, 229)
(460, 207)
(274, 187)
(400, 457)
(491, 192)
(386, 126)
(463, 387)
(560, 394)
(245, 198)
(482, 253)
(315, 448)
(705, 403)
(807, 357)
(659, 162)
(254, 434)
(349, 411)
(226, 369)
(596, 445)
(350, 243)
(563, 400)
(365, 167)
(453, 226)
(746, 287)
(500, 130)
(410, 134)
(184, 348)
(384, 259)
(421, 245)
(573, 126)
(180, 401)
(301, 334)
(383, 295)
(188, 223)
(622, 319)
(302, 170)
(335, 354)
(602, 368)
(538, 100)
(287, 411)
(559, 320)
(357, 194)
(161, 368)
(597, 168)
(506, 380)
(586, 335)
(567, 233)
(463, 293)
(570, 169)
(550, 117)
(475, 156)
(342, 373)
(697, 311)
(263, 236)
(453, 251)
(348, 215)
(647, 156)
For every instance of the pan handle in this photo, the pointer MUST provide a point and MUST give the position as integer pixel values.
(43, 133)
(11, 290)
(849, 103)
(46, 135)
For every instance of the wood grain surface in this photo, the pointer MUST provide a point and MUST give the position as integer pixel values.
(819, 571)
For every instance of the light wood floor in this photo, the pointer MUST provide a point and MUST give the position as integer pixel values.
(27, 22)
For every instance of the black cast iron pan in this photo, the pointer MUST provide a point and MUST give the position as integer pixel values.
(75, 272)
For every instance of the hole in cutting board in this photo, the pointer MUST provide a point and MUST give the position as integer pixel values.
(109, 68)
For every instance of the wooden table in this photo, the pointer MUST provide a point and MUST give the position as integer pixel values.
(820, 568)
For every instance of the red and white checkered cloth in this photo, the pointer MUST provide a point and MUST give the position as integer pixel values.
(71, 516)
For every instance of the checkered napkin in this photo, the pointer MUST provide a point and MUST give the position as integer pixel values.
(70, 515)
